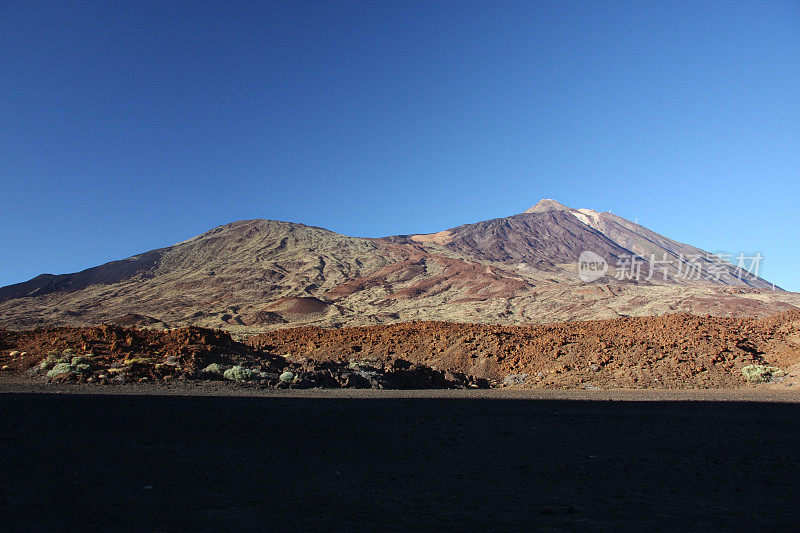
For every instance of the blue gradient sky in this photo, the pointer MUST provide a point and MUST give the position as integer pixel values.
(130, 126)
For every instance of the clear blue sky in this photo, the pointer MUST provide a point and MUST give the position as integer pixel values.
(127, 126)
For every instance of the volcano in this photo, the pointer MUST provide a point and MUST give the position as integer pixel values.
(255, 275)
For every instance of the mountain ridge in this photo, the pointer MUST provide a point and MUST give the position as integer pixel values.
(262, 273)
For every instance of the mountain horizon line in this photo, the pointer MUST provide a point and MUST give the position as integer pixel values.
(518, 268)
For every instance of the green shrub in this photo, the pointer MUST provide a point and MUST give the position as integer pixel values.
(60, 368)
(762, 373)
(140, 360)
(238, 373)
(77, 360)
(287, 377)
(214, 368)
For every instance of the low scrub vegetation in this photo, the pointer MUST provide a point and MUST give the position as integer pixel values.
(762, 373)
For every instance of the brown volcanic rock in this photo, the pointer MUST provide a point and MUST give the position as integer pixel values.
(134, 320)
(674, 351)
(113, 354)
(302, 305)
(264, 317)
(194, 348)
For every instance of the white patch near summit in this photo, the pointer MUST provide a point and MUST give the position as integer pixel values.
(589, 217)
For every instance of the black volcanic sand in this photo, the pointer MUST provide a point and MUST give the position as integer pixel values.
(71, 461)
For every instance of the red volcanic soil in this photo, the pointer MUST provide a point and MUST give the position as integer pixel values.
(111, 354)
(190, 348)
(671, 351)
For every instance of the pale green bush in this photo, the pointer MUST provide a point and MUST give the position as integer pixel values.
(238, 373)
(762, 373)
(214, 368)
(60, 368)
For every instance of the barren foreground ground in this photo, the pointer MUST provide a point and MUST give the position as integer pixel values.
(398, 460)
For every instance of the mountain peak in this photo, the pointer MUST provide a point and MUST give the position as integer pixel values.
(262, 273)
(546, 204)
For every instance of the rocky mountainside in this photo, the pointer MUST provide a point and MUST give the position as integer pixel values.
(257, 275)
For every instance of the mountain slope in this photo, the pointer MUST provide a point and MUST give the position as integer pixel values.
(260, 274)
(682, 262)
(540, 240)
